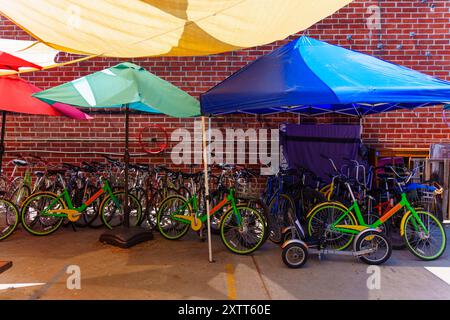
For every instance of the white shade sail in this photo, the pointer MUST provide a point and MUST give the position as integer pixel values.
(32, 51)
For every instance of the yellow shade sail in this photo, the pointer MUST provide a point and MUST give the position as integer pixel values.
(137, 28)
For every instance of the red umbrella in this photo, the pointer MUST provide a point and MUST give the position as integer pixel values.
(15, 96)
(10, 62)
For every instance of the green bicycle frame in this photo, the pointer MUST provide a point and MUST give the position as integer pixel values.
(355, 208)
(106, 188)
(193, 201)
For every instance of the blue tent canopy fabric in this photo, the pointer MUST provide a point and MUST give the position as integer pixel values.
(312, 77)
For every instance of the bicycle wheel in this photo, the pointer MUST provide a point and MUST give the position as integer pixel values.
(277, 210)
(426, 246)
(216, 197)
(392, 230)
(91, 213)
(379, 245)
(111, 210)
(319, 226)
(151, 209)
(261, 207)
(294, 255)
(169, 227)
(20, 194)
(9, 218)
(308, 199)
(31, 213)
(243, 232)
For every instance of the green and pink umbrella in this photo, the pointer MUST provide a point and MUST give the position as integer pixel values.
(124, 85)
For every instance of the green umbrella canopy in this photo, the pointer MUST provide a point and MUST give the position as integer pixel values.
(124, 84)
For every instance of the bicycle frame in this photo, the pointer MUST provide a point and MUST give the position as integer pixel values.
(70, 211)
(193, 202)
(362, 224)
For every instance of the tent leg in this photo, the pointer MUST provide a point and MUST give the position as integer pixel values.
(205, 167)
(2, 142)
(126, 210)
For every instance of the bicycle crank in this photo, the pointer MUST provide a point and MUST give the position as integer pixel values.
(72, 215)
(196, 223)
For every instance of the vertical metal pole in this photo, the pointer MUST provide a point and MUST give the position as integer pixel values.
(126, 160)
(2, 142)
(205, 167)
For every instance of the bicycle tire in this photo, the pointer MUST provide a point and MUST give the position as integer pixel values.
(107, 217)
(276, 216)
(91, 212)
(408, 239)
(164, 218)
(10, 218)
(316, 231)
(299, 252)
(52, 226)
(368, 239)
(20, 194)
(234, 242)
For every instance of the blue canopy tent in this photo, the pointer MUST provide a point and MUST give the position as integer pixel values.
(312, 77)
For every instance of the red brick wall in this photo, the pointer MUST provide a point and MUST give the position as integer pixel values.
(430, 21)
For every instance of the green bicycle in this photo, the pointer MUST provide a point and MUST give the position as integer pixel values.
(9, 218)
(423, 233)
(242, 228)
(43, 212)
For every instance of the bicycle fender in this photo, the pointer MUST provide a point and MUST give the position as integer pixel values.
(361, 234)
(293, 241)
(287, 229)
(403, 222)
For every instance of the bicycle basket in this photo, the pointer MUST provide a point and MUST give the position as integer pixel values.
(427, 200)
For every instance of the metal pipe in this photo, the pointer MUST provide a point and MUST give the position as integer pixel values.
(2, 140)
(205, 167)
(127, 161)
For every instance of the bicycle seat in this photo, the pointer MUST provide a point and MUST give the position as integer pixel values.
(191, 175)
(39, 174)
(143, 166)
(88, 167)
(160, 168)
(112, 161)
(71, 166)
(20, 163)
(53, 172)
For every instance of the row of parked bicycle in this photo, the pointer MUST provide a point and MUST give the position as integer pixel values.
(376, 210)
(297, 209)
(92, 194)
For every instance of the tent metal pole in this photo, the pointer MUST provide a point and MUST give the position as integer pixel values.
(205, 167)
(127, 161)
(2, 142)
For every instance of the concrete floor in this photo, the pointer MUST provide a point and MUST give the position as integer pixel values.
(162, 269)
